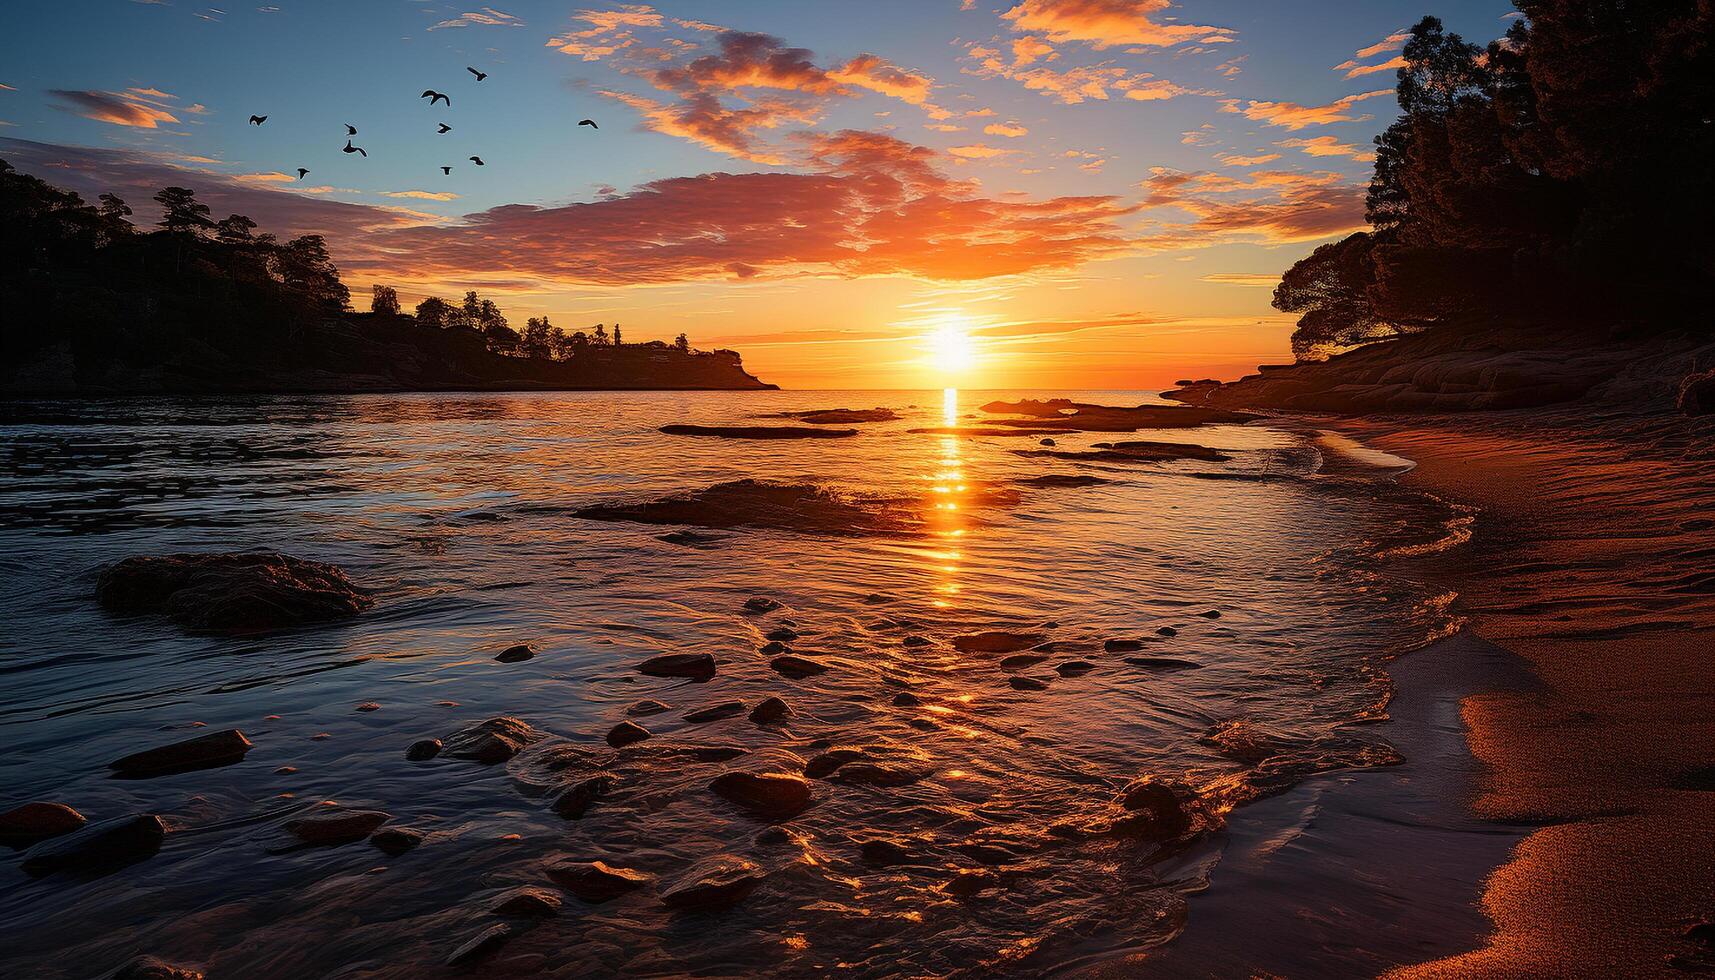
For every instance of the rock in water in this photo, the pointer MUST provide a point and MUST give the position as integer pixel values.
(528, 902)
(1211, 614)
(697, 666)
(1073, 668)
(996, 641)
(822, 765)
(30, 823)
(495, 740)
(626, 733)
(715, 882)
(575, 800)
(1120, 646)
(648, 707)
(516, 654)
(231, 592)
(756, 432)
(795, 666)
(1167, 631)
(153, 968)
(202, 752)
(770, 710)
(423, 748)
(1158, 810)
(594, 881)
(781, 634)
(1021, 683)
(715, 712)
(100, 845)
(874, 774)
(760, 604)
(773, 647)
(1019, 661)
(1162, 663)
(771, 795)
(395, 841)
(480, 945)
(336, 825)
(915, 641)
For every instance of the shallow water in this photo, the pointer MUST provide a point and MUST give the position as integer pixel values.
(458, 511)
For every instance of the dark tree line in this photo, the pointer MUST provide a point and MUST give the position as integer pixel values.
(539, 338)
(1562, 171)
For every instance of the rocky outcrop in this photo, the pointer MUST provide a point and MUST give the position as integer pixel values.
(335, 825)
(494, 740)
(771, 795)
(102, 845)
(231, 592)
(697, 666)
(594, 881)
(996, 641)
(203, 752)
(715, 882)
(31, 823)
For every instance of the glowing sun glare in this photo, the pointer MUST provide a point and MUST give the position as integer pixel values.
(950, 348)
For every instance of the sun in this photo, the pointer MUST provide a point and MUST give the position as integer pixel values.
(949, 345)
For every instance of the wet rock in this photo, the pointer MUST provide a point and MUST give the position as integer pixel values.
(878, 599)
(715, 712)
(100, 845)
(716, 882)
(480, 945)
(773, 647)
(714, 753)
(795, 666)
(770, 710)
(923, 724)
(1074, 668)
(760, 604)
(1167, 631)
(1027, 684)
(1157, 809)
(772, 795)
(423, 749)
(369, 706)
(844, 416)
(231, 592)
(905, 699)
(1063, 480)
(781, 634)
(626, 733)
(969, 882)
(492, 741)
(887, 852)
(915, 641)
(985, 853)
(516, 654)
(643, 709)
(528, 902)
(336, 825)
(575, 800)
(691, 539)
(822, 765)
(31, 823)
(594, 881)
(698, 666)
(802, 507)
(152, 968)
(996, 641)
(876, 774)
(395, 841)
(1121, 646)
(202, 752)
(1162, 663)
(756, 432)
(1019, 661)
(1045, 442)
(1211, 614)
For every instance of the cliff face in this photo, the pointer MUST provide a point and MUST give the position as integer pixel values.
(363, 352)
(1473, 368)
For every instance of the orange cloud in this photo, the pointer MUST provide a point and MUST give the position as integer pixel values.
(1029, 49)
(1235, 160)
(1293, 116)
(1074, 85)
(1358, 71)
(142, 108)
(271, 177)
(1105, 23)
(1009, 130)
(1267, 206)
(423, 195)
(1328, 146)
(1354, 68)
(873, 73)
(976, 151)
(487, 16)
(607, 32)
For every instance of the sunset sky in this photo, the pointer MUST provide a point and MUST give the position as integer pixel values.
(1097, 193)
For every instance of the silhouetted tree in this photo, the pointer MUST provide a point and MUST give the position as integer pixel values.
(535, 341)
(599, 337)
(181, 212)
(307, 269)
(682, 343)
(115, 210)
(236, 229)
(435, 312)
(384, 300)
(616, 340)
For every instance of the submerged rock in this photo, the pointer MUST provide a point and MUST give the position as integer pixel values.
(970, 882)
(100, 845)
(528, 902)
(1073, 668)
(482, 944)
(1211, 614)
(795, 666)
(756, 432)
(31, 823)
(1019, 661)
(905, 699)
(1021, 683)
(773, 647)
(876, 774)
(760, 604)
(697, 666)
(152, 968)
(1162, 663)
(575, 800)
(715, 712)
(1054, 480)
(202, 752)
(1121, 646)
(805, 508)
(996, 641)
(1157, 809)
(423, 749)
(823, 765)
(516, 654)
(492, 741)
(643, 709)
(594, 881)
(773, 795)
(395, 841)
(888, 851)
(1167, 631)
(231, 592)
(781, 634)
(915, 641)
(714, 882)
(626, 733)
(336, 825)
(769, 710)
(844, 416)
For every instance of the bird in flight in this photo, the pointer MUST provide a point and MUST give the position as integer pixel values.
(477, 161)
(480, 75)
(258, 120)
(353, 149)
(302, 173)
(446, 170)
(434, 96)
(350, 130)
(445, 129)
(588, 122)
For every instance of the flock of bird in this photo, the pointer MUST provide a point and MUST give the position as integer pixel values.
(433, 97)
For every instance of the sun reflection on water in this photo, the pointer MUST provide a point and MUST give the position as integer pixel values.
(948, 487)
